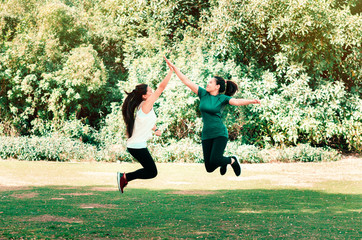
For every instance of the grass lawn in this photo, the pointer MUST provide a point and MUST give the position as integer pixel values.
(45, 200)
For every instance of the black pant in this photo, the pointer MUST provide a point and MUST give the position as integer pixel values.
(144, 157)
(213, 153)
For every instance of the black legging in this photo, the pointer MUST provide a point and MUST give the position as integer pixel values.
(144, 157)
(213, 153)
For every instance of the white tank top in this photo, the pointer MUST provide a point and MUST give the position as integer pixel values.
(142, 129)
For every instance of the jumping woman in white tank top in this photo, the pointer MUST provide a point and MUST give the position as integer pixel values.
(140, 119)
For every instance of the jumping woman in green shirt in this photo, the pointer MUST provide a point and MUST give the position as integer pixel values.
(214, 133)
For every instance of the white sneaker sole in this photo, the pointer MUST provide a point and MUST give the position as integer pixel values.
(118, 181)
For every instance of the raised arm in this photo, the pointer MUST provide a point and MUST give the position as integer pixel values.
(241, 102)
(148, 104)
(193, 86)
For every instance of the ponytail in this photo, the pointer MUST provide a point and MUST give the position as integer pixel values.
(229, 87)
(132, 101)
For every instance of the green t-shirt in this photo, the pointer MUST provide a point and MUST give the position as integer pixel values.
(211, 107)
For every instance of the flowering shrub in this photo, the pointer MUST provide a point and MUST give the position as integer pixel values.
(45, 148)
(60, 148)
(297, 113)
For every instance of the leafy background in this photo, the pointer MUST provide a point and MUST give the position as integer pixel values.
(64, 67)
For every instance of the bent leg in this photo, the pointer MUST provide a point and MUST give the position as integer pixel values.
(144, 157)
(217, 153)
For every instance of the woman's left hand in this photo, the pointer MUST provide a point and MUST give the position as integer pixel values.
(170, 65)
(158, 133)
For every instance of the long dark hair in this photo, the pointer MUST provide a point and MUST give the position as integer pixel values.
(130, 104)
(229, 87)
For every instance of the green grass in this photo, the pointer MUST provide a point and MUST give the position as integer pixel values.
(43, 200)
(147, 214)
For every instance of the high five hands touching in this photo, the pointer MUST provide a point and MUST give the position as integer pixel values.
(169, 64)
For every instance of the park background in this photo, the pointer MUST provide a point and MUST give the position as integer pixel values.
(64, 67)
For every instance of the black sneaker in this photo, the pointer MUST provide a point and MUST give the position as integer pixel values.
(223, 170)
(236, 166)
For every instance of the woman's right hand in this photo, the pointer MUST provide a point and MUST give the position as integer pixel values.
(169, 64)
(182, 77)
(158, 133)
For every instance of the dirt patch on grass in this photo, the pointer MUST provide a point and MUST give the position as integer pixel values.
(13, 188)
(187, 192)
(77, 194)
(95, 205)
(50, 218)
(203, 233)
(24, 195)
(103, 189)
(65, 188)
(250, 211)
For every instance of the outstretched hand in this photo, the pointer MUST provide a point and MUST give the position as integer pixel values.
(256, 101)
(169, 64)
(194, 87)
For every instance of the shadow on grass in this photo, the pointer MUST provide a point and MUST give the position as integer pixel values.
(87, 213)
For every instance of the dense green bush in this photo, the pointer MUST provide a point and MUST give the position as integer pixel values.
(306, 153)
(60, 148)
(80, 86)
(183, 151)
(292, 112)
(296, 113)
(49, 69)
(299, 153)
(296, 95)
(45, 148)
(323, 36)
(65, 64)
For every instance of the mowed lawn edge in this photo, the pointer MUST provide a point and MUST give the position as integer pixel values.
(48, 200)
(343, 176)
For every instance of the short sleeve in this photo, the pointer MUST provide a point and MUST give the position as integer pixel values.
(201, 92)
(226, 99)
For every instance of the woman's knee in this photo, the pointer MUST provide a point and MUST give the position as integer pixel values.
(209, 168)
(153, 172)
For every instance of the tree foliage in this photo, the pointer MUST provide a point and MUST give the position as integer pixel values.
(65, 61)
(325, 39)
